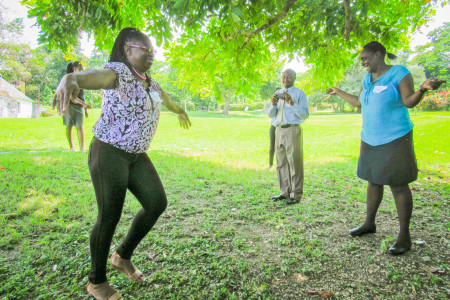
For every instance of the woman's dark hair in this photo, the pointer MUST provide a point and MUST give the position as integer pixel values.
(71, 65)
(125, 36)
(375, 46)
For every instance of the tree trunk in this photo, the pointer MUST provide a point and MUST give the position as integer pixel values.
(333, 107)
(227, 96)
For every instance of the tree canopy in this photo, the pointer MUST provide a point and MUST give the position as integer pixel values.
(435, 55)
(223, 46)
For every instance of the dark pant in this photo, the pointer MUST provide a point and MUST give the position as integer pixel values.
(272, 144)
(113, 171)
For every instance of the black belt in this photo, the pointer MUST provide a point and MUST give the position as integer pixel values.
(287, 125)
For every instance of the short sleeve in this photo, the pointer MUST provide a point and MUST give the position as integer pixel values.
(155, 86)
(124, 75)
(400, 73)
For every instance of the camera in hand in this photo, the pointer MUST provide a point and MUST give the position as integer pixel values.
(279, 93)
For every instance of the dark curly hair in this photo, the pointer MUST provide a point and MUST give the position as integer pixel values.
(125, 36)
(375, 46)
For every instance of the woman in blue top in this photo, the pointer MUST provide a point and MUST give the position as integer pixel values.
(387, 152)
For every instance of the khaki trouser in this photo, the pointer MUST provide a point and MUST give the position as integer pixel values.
(289, 152)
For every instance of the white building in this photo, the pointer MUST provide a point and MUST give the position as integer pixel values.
(14, 103)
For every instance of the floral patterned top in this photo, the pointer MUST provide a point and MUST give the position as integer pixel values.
(130, 112)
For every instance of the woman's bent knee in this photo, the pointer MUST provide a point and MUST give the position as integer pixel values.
(162, 205)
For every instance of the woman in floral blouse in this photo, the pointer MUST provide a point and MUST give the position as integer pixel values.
(117, 158)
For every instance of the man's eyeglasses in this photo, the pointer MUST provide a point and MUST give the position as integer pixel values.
(146, 49)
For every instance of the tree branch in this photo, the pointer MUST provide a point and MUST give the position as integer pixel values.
(272, 21)
(348, 21)
(206, 56)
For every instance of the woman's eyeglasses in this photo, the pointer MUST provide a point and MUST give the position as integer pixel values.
(146, 49)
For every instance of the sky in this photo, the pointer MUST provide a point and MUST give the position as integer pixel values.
(31, 32)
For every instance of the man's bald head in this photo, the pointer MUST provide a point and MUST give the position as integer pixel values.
(289, 76)
(290, 72)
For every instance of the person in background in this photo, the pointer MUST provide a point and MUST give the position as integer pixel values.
(290, 108)
(272, 141)
(74, 115)
(117, 156)
(387, 150)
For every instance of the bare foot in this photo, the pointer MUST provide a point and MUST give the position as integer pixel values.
(72, 149)
(126, 266)
(103, 291)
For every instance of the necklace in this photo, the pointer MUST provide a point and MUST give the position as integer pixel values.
(139, 75)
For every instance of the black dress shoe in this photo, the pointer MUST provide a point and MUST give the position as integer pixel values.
(279, 197)
(291, 201)
(398, 250)
(362, 231)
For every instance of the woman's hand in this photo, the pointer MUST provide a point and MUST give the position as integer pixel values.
(432, 84)
(332, 91)
(71, 84)
(183, 118)
(66, 91)
(352, 99)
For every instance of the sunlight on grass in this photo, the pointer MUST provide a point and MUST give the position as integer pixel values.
(45, 160)
(39, 204)
(221, 236)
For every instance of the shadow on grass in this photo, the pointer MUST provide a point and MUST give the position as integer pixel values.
(221, 236)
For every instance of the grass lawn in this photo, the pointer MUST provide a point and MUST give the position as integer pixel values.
(221, 237)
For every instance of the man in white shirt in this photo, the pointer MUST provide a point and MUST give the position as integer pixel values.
(291, 108)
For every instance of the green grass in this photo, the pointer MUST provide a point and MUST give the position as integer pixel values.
(221, 237)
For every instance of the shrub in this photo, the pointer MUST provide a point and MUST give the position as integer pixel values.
(435, 101)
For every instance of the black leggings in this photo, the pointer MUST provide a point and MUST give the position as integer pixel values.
(113, 171)
(272, 144)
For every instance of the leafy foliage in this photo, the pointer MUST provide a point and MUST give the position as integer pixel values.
(226, 46)
(221, 237)
(435, 56)
(8, 29)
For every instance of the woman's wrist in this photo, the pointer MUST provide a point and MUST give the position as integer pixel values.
(423, 90)
(179, 110)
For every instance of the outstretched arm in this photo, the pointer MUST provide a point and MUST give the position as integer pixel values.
(71, 84)
(352, 99)
(183, 118)
(411, 98)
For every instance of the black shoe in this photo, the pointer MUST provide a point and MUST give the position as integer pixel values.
(398, 250)
(279, 197)
(291, 201)
(362, 231)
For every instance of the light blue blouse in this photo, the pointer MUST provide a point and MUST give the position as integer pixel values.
(385, 118)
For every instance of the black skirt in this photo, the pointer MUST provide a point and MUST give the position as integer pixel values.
(393, 163)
